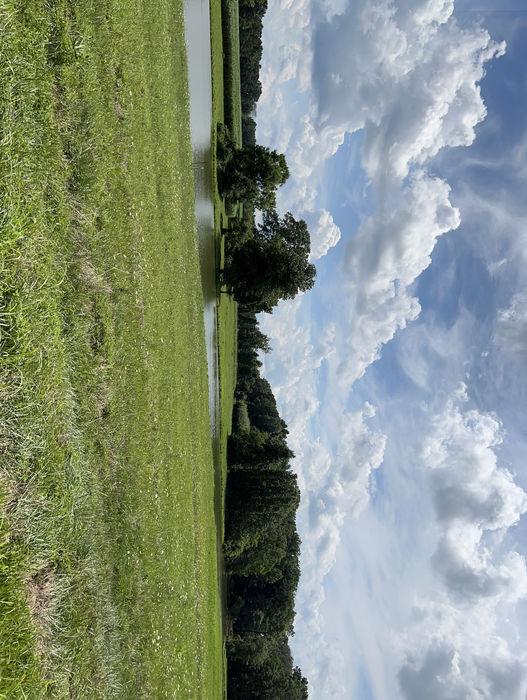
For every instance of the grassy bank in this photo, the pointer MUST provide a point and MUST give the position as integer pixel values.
(225, 99)
(231, 71)
(108, 581)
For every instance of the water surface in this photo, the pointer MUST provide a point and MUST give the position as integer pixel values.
(197, 34)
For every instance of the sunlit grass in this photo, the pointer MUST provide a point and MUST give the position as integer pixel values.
(107, 539)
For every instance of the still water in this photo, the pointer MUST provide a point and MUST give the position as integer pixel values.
(197, 34)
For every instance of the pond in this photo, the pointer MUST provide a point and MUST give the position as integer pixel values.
(197, 34)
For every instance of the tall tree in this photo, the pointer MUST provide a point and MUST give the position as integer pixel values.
(256, 500)
(272, 265)
(252, 174)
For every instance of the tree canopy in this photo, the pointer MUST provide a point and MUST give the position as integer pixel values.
(252, 174)
(272, 265)
(251, 25)
(262, 546)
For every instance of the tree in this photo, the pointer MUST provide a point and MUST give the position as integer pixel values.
(256, 500)
(250, 30)
(262, 410)
(257, 448)
(272, 265)
(252, 174)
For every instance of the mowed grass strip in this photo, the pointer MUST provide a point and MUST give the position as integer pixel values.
(108, 578)
(231, 71)
(225, 95)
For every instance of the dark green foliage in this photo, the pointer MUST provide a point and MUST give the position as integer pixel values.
(263, 559)
(252, 174)
(261, 406)
(264, 263)
(251, 26)
(268, 597)
(258, 497)
(274, 679)
(248, 130)
(247, 448)
(262, 546)
(250, 337)
(225, 146)
(272, 265)
(256, 447)
(240, 233)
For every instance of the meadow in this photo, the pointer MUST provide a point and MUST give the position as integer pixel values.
(226, 107)
(108, 567)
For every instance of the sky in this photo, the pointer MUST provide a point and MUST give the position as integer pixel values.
(402, 375)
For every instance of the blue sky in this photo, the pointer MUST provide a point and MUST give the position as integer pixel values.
(403, 374)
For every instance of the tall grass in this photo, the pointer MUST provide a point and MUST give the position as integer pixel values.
(108, 581)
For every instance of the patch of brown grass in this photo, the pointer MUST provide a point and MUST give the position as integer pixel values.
(40, 585)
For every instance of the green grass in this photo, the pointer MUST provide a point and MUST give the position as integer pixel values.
(231, 76)
(107, 540)
(222, 96)
(227, 309)
(216, 40)
(227, 334)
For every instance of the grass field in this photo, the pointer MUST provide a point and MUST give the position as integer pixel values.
(108, 582)
(226, 306)
(222, 96)
(231, 75)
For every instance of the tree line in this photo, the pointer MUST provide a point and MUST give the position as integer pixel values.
(266, 259)
(262, 546)
(266, 256)
(251, 26)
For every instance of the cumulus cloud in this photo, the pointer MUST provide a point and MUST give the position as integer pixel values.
(461, 654)
(444, 675)
(383, 260)
(334, 471)
(408, 75)
(324, 232)
(461, 392)
(403, 71)
(343, 489)
(291, 371)
(474, 499)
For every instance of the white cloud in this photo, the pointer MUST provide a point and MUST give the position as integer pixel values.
(476, 502)
(408, 75)
(383, 260)
(291, 370)
(343, 490)
(334, 469)
(461, 392)
(511, 328)
(455, 649)
(324, 232)
(403, 71)
(444, 674)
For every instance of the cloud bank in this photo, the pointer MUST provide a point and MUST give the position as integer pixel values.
(462, 651)
(383, 260)
(407, 75)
